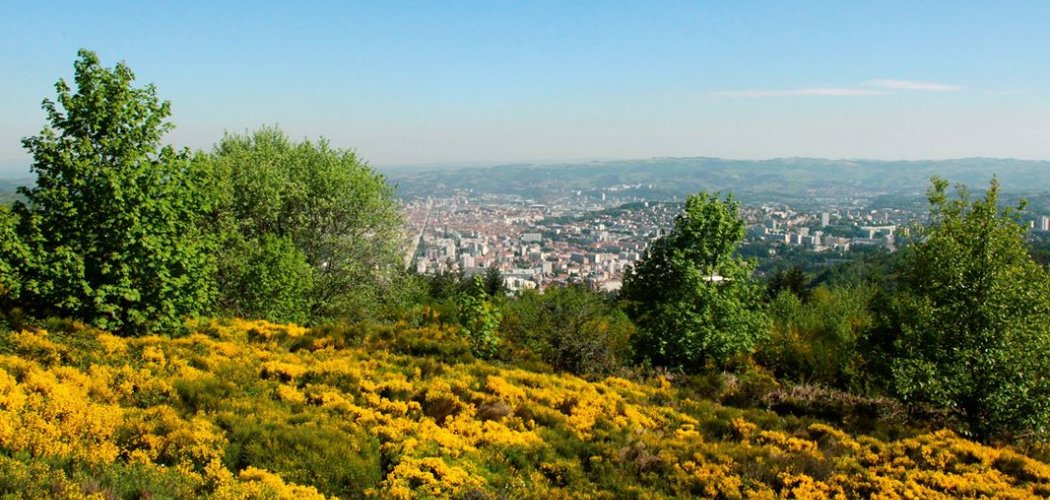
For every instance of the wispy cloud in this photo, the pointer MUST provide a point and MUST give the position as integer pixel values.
(912, 85)
(868, 88)
(814, 91)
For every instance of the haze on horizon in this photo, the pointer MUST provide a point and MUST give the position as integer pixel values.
(503, 82)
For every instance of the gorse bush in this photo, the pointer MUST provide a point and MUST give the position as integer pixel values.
(231, 411)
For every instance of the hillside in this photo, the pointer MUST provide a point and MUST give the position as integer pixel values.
(252, 409)
(779, 179)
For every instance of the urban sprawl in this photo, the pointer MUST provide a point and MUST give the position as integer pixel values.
(592, 242)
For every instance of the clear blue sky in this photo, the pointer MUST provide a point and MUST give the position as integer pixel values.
(454, 82)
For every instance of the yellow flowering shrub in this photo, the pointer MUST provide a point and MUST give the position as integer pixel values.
(37, 346)
(251, 409)
(44, 415)
(428, 476)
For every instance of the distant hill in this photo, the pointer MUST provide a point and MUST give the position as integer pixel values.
(665, 178)
(9, 187)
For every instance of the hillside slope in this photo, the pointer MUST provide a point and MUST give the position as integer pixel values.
(251, 409)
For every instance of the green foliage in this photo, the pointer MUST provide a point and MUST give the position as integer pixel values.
(433, 343)
(793, 280)
(12, 252)
(973, 318)
(818, 341)
(305, 203)
(268, 279)
(875, 267)
(479, 319)
(694, 301)
(494, 284)
(110, 226)
(29, 477)
(571, 328)
(337, 462)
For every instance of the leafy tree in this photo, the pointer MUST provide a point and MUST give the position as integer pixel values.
(12, 252)
(479, 319)
(973, 318)
(445, 285)
(572, 328)
(110, 226)
(337, 213)
(266, 279)
(694, 301)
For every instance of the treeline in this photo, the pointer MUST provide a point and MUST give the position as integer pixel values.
(131, 236)
(135, 236)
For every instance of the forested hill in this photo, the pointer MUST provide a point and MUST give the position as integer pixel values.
(669, 177)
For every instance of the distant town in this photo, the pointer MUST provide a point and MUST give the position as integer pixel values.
(591, 240)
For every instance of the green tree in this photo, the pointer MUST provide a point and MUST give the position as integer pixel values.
(494, 284)
(973, 314)
(479, 319)
(12, 252)
(267, 278)
(817, 341)
(110, 226)
(338, 213)
(693, 300)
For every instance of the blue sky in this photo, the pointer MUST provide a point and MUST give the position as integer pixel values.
(491, 82)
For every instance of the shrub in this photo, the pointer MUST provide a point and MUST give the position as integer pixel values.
(817, 341)
(479, 318)
(266, 279)
(337, 461)
(571, 328)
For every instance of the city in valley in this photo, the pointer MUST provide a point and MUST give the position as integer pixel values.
(592, 240)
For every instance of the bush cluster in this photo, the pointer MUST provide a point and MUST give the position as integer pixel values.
(250, 409)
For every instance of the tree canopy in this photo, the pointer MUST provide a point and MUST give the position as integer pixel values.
(973, 317)
(321, 215)
(694, 301)
(109, 229)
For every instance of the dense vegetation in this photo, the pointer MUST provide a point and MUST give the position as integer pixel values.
(133, 236)
(697, 380)
(241, 409)
(693, 298)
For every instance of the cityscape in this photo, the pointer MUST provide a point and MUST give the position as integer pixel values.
(593, 241)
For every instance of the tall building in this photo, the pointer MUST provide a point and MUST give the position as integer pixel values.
(825, 219)
(1044, 223)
